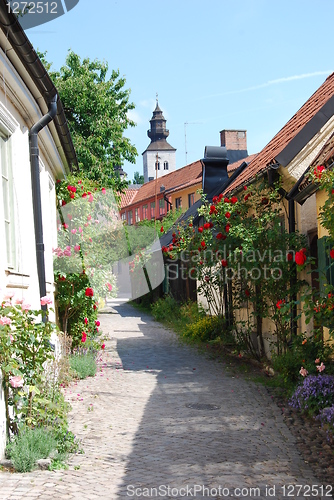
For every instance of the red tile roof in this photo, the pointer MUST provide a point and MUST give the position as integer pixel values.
(179, 179)
(286, 134)
(233, 166)
(128, 197)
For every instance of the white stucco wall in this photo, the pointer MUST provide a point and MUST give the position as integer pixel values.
(18, 112)
(150, 158)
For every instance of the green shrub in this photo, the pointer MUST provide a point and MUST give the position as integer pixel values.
(166, 309)
(302, 353)
(83, 364)
(29, 446)
(205, 328)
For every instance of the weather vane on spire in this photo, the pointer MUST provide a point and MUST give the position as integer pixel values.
(156, 96)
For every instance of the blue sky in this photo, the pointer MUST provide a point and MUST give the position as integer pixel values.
(217, 64)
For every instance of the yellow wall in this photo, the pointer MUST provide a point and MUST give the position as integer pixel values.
(183, 193)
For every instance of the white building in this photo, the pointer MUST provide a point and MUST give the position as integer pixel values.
(26, 91)
(159, 158)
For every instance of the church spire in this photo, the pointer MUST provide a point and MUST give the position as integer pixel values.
(158, 129)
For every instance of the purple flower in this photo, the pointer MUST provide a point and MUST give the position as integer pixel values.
(314, 393)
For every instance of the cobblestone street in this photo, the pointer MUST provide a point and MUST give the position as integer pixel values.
(139, 431)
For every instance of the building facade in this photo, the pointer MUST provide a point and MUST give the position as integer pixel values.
(159, 158)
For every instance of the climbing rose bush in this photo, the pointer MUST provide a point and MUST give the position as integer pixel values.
(24, 349)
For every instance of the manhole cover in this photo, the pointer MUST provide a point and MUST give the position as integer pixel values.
(202, 406)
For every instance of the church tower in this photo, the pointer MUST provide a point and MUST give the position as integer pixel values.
(159, 152)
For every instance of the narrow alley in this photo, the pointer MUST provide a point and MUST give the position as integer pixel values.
(160, 420)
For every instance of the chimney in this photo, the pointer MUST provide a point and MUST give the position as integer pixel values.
(234, 139)
(214, 169)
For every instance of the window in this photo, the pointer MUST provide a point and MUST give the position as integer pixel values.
(145, 212)
(158, 165)
(325, 264)
(137, 214)
(123, 216)
(191, 199)
(162, 207)
(7, 195)
(130, 217)
(150, 179)
(153, 210)
(178, 202)
(165, 165)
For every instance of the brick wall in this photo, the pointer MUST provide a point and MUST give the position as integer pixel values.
(234, 139)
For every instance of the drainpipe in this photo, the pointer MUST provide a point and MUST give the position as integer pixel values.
(36, 193)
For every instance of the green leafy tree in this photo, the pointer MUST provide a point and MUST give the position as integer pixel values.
(96, 108)
(137, 178)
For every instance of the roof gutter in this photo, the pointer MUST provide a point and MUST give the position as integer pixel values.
(34, 67)
(36, 193)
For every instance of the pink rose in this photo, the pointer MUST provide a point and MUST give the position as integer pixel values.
(46, 300)
(321, 368)
(303, 371)
(16, 381)
(5, 321)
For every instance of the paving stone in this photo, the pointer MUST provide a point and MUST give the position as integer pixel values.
(136, 428)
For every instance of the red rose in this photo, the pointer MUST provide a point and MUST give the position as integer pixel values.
(224, 263)
(203, 244)
(103, 346)
(318, 171)
(226, 200)
(161, 229)
(300, 258)
(89, 292)
(94, 307)
(289, 256)
(245, 188)
(84, 337)
(200, 229)
(280, 303)
(227, 215)
(234, 199)
(97, 323)
(219, 236)
(207, 225)
(227, 228)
